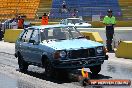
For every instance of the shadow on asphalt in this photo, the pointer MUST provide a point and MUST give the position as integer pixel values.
(99, 76)
(42, 76)
(65, 78)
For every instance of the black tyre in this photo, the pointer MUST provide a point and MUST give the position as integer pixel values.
(23, 66)
(95, 69)
(49, 70)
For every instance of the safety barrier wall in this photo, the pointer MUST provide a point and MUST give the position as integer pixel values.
(118, 24)
(93, 36)
(11, 35)
(124, 50)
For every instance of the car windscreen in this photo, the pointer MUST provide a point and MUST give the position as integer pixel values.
(60, 33)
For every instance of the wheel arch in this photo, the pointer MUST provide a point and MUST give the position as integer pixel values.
(43, 59)
(17, 54)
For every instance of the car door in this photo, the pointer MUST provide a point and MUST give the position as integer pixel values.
(24, 44)
(35, 50)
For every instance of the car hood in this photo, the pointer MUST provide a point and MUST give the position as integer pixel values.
(72, 44)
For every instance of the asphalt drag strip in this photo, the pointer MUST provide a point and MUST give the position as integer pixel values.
(35, 77)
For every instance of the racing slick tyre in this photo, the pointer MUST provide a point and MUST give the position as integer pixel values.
(95, 69)
(23, 66)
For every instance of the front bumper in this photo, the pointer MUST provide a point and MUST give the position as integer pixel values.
(79, 63)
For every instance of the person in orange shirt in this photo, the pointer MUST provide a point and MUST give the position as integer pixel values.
(20, 22)
(45, 19)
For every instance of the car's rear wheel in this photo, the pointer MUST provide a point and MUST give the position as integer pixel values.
(23, 66)
(95, 69)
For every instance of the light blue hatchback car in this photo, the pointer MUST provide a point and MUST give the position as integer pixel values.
(58, 47)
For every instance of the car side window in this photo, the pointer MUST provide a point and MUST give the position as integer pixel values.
(27, 35)
(44, 34)
(35, 36)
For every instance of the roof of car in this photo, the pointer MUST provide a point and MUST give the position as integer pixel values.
(48, 26)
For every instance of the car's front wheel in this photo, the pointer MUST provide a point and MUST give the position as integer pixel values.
(50, 71)
(95, 69)
(23, 66)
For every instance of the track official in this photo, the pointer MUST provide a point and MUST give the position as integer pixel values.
(110, 22)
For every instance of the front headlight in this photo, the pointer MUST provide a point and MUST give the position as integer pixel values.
(59, 54)
(63, 54)
(99, 50)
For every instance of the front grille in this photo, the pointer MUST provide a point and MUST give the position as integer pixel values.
(92, 52)
(82, 53)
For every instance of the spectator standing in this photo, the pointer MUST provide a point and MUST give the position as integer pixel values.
(64, 7)
(20, 22)
(45, 19)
